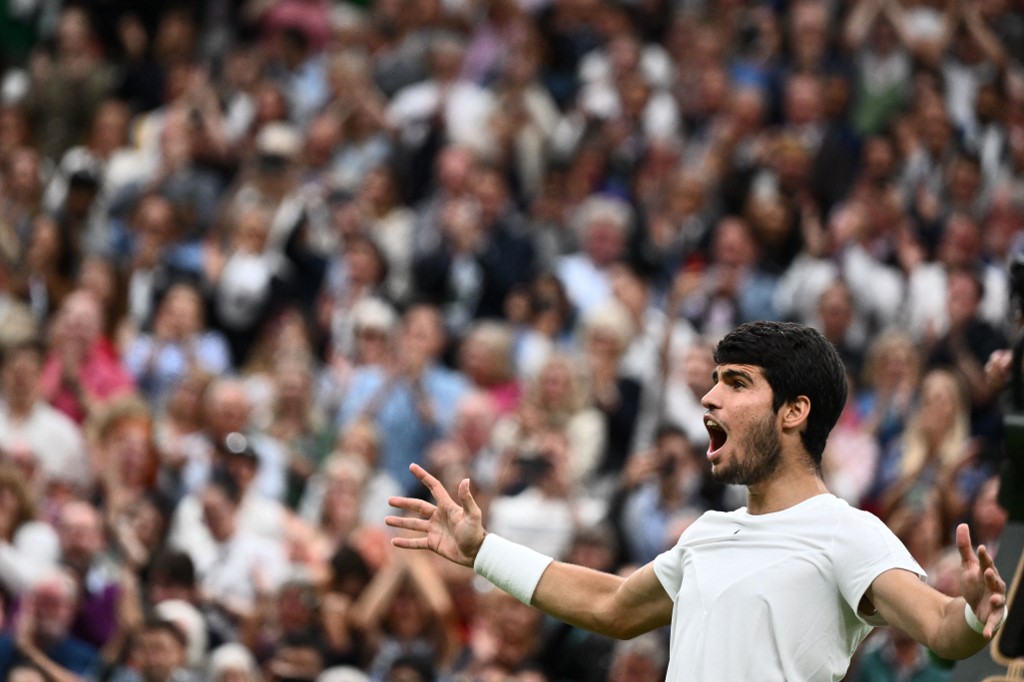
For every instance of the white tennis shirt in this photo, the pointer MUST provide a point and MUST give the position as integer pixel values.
(767, 597)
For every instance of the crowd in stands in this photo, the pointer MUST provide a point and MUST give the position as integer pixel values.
(258, 256)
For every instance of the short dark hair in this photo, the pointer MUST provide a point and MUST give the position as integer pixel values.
(174, 568)
(31, 345)
(669, 429)
(163, 625)
(796, 361)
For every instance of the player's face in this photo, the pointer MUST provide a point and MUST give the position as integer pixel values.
(744, 446)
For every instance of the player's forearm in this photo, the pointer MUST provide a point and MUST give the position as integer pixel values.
(585, 598)
(953, 638)
(600, 602)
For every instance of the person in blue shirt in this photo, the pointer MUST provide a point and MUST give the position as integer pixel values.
(411, 398)
(41, 634)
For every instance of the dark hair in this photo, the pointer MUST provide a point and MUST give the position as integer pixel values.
(420, 665)
(162, 625)
(796, 361)
(32, 345)
(348, 564)
(668, 429)
(223, 480)
(174, 568)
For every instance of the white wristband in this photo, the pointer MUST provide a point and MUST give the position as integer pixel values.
(975, 624)
(512, 567)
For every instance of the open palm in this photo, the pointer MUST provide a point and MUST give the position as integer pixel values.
(451, 529)
(980, 582)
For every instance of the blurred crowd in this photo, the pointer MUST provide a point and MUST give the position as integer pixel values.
(258, 256)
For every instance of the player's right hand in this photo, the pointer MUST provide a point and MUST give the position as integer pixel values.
(452, 529)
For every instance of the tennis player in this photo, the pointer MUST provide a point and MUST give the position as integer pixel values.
(785, 588)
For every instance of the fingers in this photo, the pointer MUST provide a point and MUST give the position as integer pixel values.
(432, 484)
(410, 543)
(412, 504)
(963, 544)
(408, 523)
(995, 583)
(985, 559)
(469, 505)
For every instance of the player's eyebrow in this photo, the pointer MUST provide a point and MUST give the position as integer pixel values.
(732, 374)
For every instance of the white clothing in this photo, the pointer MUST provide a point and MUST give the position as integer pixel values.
(257, 516)
(685, 409)
(655, 66)
(55, 440)
(877, 289)
(271, 478)
(774, 596)
(467, 110)
(230, 575)
(33, 550)
(926, 299)
(542, 523)
(642, 361)
(586, 285)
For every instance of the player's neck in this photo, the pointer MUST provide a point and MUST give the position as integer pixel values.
(790, 486)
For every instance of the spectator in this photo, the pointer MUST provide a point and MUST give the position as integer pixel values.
(20, 197)
(558, 399)
(484, 253)
(389, 224)
(28, 546)
(639, 660)
(55, 443)
(82, 371)
(935, 453)
(405, 610)
(43, 636)
(154, 258)
(607, 333)
(485, 358)
(126, 458)
(179, 344)
(892, 653)
(82, 545)
(17, 323)
(536, 503)
(69, 85)
(232, 663)
(228, 410)
(664, 486)
(47, 266)
(251, 512)
(158, 651)
(412, 398)
(244, 565)
(892, 376)
(604, 226)
(456, 108)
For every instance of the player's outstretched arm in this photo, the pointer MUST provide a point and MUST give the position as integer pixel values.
(600, 602)
(940, 622)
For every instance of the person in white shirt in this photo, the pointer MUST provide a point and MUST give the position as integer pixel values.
(56, 442)
(243, 563)
(785, 588)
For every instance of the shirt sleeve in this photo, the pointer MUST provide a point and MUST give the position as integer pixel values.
(862, 549)
(668, 566)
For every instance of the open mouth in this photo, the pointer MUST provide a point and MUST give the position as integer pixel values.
(716, 435)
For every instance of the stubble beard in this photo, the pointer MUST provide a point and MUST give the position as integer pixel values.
(757, 457)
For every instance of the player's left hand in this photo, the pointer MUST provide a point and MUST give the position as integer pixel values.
(980, 582)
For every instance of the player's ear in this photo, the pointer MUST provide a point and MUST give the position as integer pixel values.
(795, 412)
